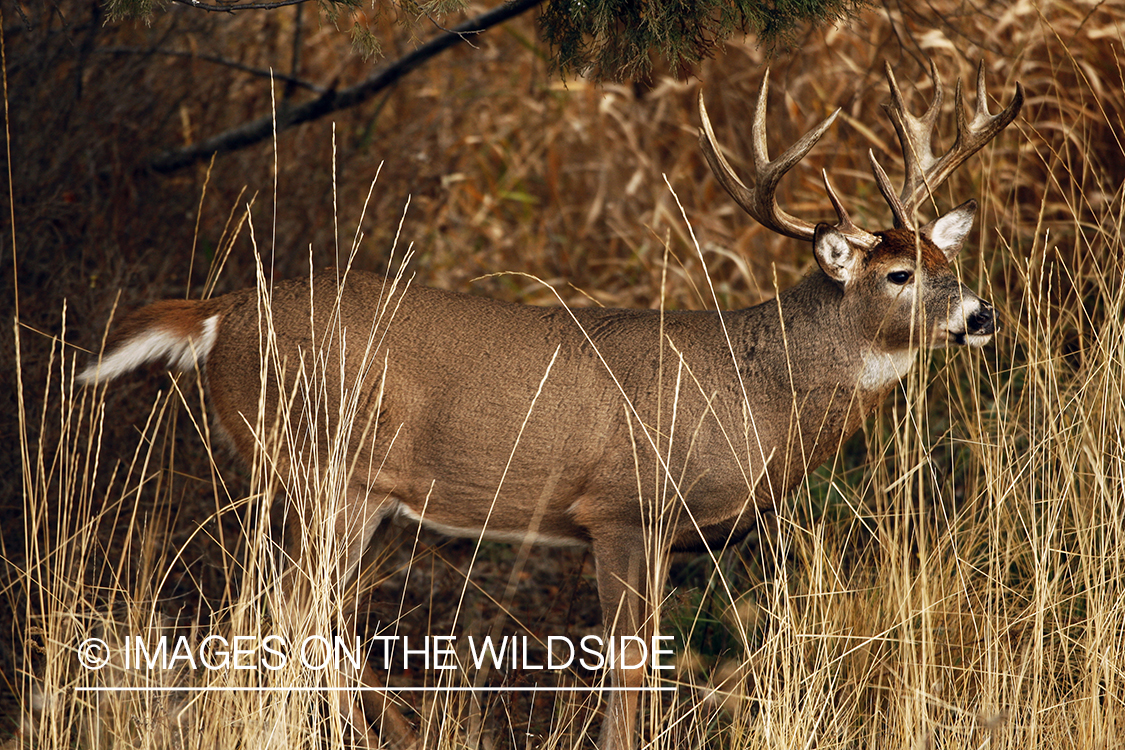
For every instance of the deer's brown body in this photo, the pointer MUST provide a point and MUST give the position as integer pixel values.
(462, 373)
(635, 432)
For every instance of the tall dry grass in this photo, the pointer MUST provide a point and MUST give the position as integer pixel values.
(953, 579)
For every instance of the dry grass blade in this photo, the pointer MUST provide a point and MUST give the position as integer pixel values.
(954, 578)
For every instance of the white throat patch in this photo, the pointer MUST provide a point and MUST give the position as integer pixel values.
(881, 369)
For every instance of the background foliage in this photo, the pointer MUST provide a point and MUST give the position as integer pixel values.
(982, 602)
(606, 39)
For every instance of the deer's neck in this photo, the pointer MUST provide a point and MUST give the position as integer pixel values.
(826, 377)
(823, 345)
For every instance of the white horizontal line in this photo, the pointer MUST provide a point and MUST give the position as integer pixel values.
(306, 689)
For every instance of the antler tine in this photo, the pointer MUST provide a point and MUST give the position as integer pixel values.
(761, 200)
(903, 217)
(982, 119)
(915, 135)
(924, 171)
(844, 224)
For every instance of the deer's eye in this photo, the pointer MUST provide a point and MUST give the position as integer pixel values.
(900, 277)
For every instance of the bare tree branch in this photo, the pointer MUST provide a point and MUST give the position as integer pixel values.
(231, 8)
(333, 100)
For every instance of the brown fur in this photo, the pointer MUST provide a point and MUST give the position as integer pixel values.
(633, 431)
(900, 243)
(184, 318)
(443, 392)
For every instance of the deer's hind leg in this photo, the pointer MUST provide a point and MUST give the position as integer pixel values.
(379, 708)
(324, 562)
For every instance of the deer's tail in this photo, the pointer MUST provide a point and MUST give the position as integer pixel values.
(180, 332)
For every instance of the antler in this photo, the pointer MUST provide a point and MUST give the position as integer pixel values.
(924, 171)
(761, 200)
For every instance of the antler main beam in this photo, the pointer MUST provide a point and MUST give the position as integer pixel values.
(761, 200)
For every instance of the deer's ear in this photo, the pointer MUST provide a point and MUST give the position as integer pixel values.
(836, 256)
(949, 231)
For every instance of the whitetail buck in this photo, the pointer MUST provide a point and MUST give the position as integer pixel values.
(636, 432)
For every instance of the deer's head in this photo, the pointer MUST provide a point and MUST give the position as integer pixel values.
(899, 287)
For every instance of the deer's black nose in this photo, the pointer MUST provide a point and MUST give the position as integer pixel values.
(982, 321)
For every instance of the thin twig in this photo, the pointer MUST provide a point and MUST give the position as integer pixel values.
(290, 80)
(333, 100)
(464, 36)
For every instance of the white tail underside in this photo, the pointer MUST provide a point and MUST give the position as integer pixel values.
(179, 351)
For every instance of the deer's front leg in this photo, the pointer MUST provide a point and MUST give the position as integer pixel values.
(626, 579)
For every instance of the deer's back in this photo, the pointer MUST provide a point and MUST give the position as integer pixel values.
(460, 399)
